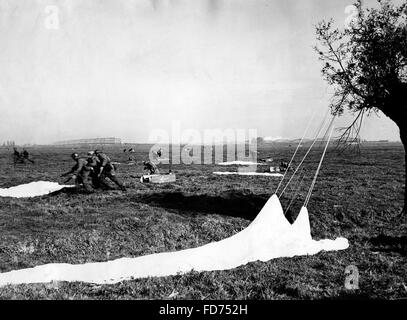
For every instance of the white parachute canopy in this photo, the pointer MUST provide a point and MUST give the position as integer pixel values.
(32, 189)
(242, 173)
(269, 236)
(241, 163)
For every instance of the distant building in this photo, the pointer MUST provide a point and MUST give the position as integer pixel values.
(95, 141)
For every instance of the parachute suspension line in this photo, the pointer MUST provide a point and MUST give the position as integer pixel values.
(294, 184)
(295, 152)
(319, 165)
(296, 193)
(291, 192)
(306, 154)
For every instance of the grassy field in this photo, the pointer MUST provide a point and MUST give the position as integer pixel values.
(356, 196)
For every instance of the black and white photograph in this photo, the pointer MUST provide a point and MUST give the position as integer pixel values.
(212, 151)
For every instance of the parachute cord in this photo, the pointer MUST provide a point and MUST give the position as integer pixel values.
(319, 166)
(295, 152)
(295, 183)
(306, 154)
(296, 193)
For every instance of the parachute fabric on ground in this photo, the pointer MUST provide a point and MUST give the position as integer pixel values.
(32, 189)
(264, 174)
(241, 163)
(269, 236)
(158, 178)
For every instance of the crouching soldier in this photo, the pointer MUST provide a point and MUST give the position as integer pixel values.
(150, 167)
(26, 156)
(81, 172)
(105, 169)
(93, 162)
(284, 166)
(17, 157)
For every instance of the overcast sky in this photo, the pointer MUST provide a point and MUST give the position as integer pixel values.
(125, 68)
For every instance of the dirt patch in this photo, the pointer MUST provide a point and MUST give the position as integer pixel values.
(232, 203)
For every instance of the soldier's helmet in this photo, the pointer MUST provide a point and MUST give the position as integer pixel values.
(74, 155)
(97, 151)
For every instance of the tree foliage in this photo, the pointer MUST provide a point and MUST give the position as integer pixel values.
(366, 61)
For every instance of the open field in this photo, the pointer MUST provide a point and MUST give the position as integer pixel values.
(356, 196)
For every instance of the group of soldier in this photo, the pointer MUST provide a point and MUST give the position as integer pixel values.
(21, 157)
(92, 172)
